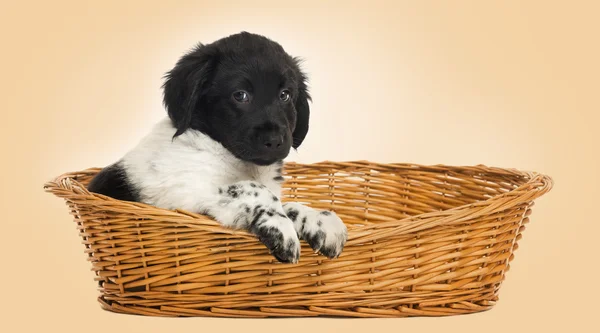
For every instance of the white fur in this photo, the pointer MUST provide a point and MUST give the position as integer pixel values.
(324, 230)
(186, 172)
(194, 172)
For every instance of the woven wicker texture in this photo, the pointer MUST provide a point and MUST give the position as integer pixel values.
(423, 241)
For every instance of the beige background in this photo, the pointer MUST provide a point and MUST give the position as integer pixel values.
(502, 83)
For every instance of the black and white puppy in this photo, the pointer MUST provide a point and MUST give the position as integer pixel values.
(236, 107)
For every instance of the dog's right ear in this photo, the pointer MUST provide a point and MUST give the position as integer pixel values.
(302, 107)
(185, 85)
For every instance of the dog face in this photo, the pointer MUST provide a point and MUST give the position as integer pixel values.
(243, 91)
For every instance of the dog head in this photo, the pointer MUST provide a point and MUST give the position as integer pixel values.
(243, 91)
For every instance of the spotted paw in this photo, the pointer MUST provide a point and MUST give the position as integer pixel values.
(277, 233)
(324, 231)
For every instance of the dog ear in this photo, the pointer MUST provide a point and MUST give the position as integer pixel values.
(186, 84)
(302, 110)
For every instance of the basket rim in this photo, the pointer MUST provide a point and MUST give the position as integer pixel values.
(67, 187)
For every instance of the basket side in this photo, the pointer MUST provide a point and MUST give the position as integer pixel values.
(71, 187)
(304, 183)
(132, 246)
(172, 263)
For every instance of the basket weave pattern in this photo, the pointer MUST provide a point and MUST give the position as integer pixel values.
(422, 241)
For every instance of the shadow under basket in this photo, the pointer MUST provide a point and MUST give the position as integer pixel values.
(422, 241)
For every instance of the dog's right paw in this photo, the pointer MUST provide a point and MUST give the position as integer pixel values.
(323, 230)
(279, 236)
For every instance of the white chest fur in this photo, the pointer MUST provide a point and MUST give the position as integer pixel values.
(187, 171)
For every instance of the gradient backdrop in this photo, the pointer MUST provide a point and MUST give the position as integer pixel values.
(501, 83)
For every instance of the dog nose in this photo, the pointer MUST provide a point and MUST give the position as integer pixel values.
(273, 141)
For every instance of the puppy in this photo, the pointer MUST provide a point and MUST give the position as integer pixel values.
(235, 109)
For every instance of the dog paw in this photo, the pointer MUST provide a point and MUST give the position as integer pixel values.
(324, 231)
(277, 233)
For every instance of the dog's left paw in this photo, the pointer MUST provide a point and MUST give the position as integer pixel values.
(324, 231)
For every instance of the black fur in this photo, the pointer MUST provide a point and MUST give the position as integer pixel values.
(245, 92)
(257, 215)
(246, 208)
(199, 94)
(273, 239)
(302, 226)
(112, 181)
(329, 252)
(315, 240)
(292, 214)
(234, 191)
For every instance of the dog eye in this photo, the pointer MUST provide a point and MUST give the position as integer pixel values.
(241, 96)
(285, 95)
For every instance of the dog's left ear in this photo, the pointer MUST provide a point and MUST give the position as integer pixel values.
(186, 84)
(302, 110)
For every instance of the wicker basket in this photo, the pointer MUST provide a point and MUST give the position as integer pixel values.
(423, 241)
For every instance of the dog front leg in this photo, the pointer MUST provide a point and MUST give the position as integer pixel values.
(251, 206)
